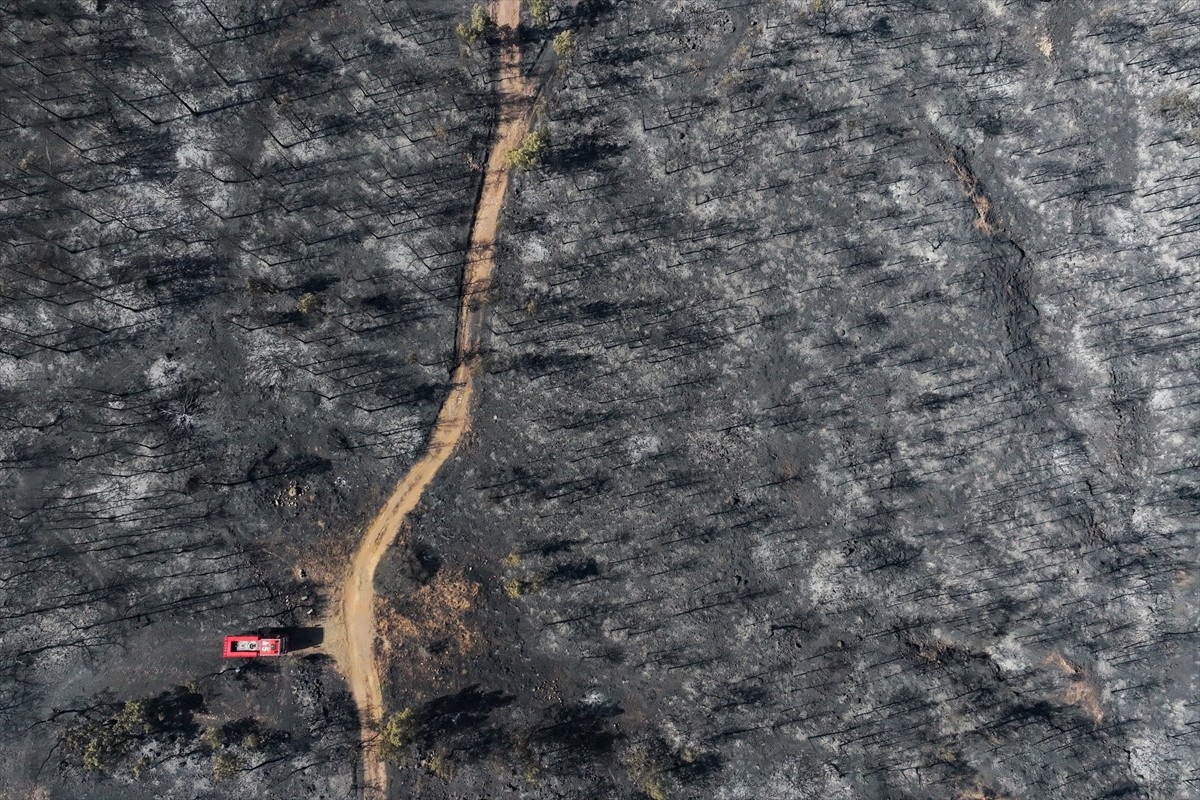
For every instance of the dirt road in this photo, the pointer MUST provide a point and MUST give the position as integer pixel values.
(351, 632)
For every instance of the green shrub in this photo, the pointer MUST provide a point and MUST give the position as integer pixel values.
(213, 738)
(106, 741)
(565, 44)
(99, 744)
(440, 764)
(399, 731)
(103, 751)
(528, 154)
(225, 766)
(481, 23)
(540, 11)
(518, 587)
(131, 720)
(310, 302)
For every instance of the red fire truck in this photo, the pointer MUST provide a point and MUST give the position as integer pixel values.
(253, 646)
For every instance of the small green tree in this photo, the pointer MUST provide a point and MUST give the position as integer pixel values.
(528, 154)
(225, 766)
(213, 738)
(131, 720)
(540, 11)
(399, 731)
(101, 746)
(310, 302)
(481, 22)
(103, 750)
(565, 44)
(259, 286)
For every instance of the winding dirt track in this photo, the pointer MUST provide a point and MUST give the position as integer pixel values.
(351, 632)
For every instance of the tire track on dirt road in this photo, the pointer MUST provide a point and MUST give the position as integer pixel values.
(351, 631)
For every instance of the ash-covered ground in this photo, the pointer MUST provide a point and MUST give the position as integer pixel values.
(838, 425)
(231, 248)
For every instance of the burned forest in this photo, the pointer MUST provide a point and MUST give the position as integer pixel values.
(599, 400)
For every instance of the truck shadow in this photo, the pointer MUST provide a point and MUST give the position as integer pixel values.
(299, 637)
(302, 638)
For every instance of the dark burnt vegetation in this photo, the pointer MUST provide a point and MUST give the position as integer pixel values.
(837, 428)
(106, 736)
(230, 255)
(135, 739)
(845, 365)
(578, 743)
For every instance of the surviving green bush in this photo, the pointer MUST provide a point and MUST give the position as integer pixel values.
(440, 764)
(98, 745)
(104, 744)
(213, 738)
(399, 731)
(480, 24)
(309, 303)
(225, 766)
(565, 44)
(132, 719)
(540, 11)
(529, 153)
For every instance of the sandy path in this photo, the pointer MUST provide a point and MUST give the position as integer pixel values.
(514, 124)
(351, 632)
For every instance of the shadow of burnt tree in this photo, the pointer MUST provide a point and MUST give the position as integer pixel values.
(589, 12)
(173, 712)
(580, 730)
(453, 723)
(583, 154)
(459, 713)
(579, 570)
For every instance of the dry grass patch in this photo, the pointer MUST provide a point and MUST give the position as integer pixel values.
(1084, 691)
(1085, 694)
(1045, 44)
(429, 626)
(36, 793)
(936, 649)
(980, 792)
(974, 190)
(646, 769)
(971, 185)
(324, 561)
